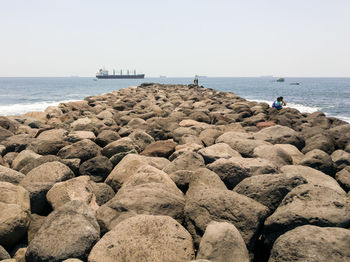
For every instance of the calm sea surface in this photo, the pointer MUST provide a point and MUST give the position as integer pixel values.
(329, 95)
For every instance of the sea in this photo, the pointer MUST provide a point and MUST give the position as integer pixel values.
(19, 95)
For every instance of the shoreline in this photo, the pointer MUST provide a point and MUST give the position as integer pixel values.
(177, 167)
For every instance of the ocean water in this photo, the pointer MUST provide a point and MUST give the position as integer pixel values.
(329, 95)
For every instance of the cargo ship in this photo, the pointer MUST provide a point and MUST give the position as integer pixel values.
(103, 74)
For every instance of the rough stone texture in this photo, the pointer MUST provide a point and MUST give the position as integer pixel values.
(244, 146)
(280, 135)
(343, 178)
(312, 244)
(217, 151)
(46, 147)
(307, 204)
(235, 169)
(313, 177)
(273, 153)
(17, 143)
(269, 190)
(36, 222)
(208, 136)
(70, 231)
(141, 139)
(103, 193)
(39, 181)
(98, 168)
(208, 205)
(20, 254)
(76, 136)
(53, 135)
(341, 135)
(149, 191)
(10, 175)
(106, 137)
(39, 161)
(293, 151)
(319, 160)
(4, 254)
(14, 215)
(144, 238)
(186, 161)
(341, 159)
(84, 150)
(162, 148)
(222, 242)
(129, 165)
(23, 158)
(78, 188)
(321, 141)
(124, 144)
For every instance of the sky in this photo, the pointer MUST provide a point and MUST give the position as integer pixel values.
(175, 38)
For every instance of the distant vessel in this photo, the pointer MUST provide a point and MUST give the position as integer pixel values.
(280, 80)
(198, 76)
(295, 84)
(103, 74)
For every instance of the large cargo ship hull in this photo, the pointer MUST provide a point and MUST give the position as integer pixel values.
(140, 76)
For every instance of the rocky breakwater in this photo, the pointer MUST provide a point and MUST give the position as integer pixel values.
(173, 173)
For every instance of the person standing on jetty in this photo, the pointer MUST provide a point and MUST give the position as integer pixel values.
(279, 103)
(195, 81)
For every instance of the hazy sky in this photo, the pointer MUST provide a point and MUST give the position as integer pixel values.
(175, 38)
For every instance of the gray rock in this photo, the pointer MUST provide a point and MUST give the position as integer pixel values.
(84, 150)
(124, 144)
(235, 169)
(319, 160)
(40, 180)
(10, 175)
(208, 205)
(269, 190)
(217, 151)
(307, 204)
(343, 178)
(321, 141)
(186, 161)
(312, 244)
(17, 143)
(208, 136)
(141, 139)
(23, 158)
(341, 135)
(273, 153)
(222, 242)
(98, 168)
(70, 231)
(280, 135)
(103, 193)
(107, 136)
(144, 238)
(341, 159)
(46, 147)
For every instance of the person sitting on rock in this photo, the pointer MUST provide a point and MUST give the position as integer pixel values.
(279, 103)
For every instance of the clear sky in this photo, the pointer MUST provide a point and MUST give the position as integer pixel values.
(175, 38)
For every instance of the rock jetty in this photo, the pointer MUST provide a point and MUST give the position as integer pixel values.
(173, 173)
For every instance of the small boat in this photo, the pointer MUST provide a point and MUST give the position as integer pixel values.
(295, 84)
(280, 80)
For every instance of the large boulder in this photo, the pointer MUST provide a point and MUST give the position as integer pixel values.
(53, 135)
(241, 143)
(341, 159)
(144, 238)
(3, 254)
(98, 168)
(207, 205)
(320, 141)
(293, 151)
(209, 135)
(141, 139)
(46, 147)
(341, 135)
(312, 244)
(17, 143)
(274, 153)
(10, 175)
(106, 136)
(14, 215)
(280, 135)
(70, 231)
(222, 242)
(149, 191)
(269, 190)
(23, 158)
(319, 160)
(40, 180)
(84, 150)
(186, 161)
(307, 204)
(217, 151)
(129, 165)
(343, 178)
(76, 136)
(124, 144)
(161, 148)
(4, 133)
(235, 169)
(78, 188)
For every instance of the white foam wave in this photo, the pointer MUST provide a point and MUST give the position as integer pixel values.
(18, 109)
(301, 108)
